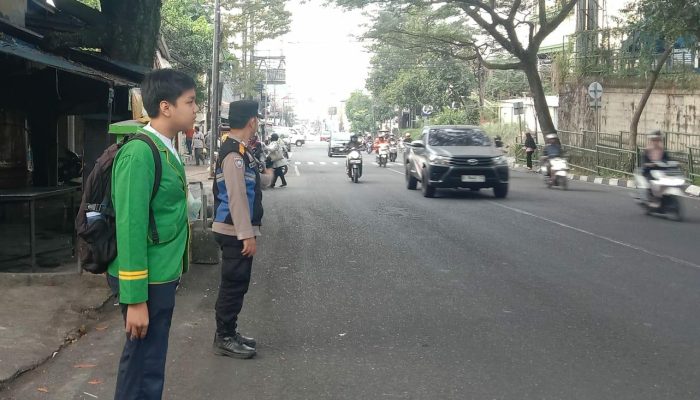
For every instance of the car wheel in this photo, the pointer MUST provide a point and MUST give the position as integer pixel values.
(330, 154)
(298, 143)
(500, 191)
(428, 191)
(411, 181)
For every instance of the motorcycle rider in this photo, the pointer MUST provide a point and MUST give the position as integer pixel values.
(353, 144)
(653, 154)
(551, 150)
(380, 141)
(407, 139)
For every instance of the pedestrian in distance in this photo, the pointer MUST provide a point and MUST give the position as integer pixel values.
(237, 220)
(151, 257)
(530, 147)
(278, 158)
(189, 135)
(198, 145)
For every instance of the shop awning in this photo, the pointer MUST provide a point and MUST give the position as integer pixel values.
(17, 48)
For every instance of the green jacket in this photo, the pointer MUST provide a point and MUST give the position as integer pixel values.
(139, 261)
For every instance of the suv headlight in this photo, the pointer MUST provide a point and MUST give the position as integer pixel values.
(500, 160)
(439, 160)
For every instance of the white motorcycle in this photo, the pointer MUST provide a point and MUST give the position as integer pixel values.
(661, 194)
(383, 154)
(393, 150)
(559, 173)
(353, 165)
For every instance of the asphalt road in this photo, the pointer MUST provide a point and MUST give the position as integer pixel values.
(370, 291)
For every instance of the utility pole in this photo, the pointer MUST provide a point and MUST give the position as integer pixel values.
(216, 103)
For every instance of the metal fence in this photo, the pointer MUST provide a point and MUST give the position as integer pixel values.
(606, 153)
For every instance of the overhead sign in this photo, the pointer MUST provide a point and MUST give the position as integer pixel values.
(276, 76)
(595, 90)
(518, 108)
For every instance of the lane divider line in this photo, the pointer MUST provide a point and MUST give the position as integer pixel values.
(601, 237)
(296, 171)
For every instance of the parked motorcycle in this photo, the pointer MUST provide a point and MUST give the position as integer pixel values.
(383, 154)
(661, 194)
(393, 150)
(353, 165)
(558, 173)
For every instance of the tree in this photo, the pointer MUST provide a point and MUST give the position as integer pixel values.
(257, 20)
(360, 113)
(125, 30)
(511, 30)
(188, 33)
(505, 84)
(669, 21)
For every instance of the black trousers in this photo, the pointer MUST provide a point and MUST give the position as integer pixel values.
(529, 158)
(279, 173)
(142, 365)
(235, 279)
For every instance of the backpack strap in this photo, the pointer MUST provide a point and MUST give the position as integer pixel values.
(156, 181)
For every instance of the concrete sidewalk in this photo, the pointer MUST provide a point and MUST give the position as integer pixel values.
(43, 313)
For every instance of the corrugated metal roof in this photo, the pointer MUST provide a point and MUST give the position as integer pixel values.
(17, 48)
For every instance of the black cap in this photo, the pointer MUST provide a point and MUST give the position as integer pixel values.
(243, 110)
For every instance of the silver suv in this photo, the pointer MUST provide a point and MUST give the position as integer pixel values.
(455, 156)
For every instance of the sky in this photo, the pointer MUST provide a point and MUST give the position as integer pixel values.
(324, 62)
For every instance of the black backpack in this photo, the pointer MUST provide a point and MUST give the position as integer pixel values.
(95, 223)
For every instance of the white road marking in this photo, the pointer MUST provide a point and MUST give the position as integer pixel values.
(398, 172)
(374, 163)
(335, 162)
(310, 162)
(601, 237)
(296, 171)
(322, 163)
(297, 163)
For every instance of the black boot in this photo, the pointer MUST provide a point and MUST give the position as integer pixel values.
(248, 341)
(231, 346)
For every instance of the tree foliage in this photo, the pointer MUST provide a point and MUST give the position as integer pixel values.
(457, 116)
(671, 21)
(402, 77)
(510, 30)
(360, 113)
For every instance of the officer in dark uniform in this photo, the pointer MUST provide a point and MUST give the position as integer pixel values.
(238, 215)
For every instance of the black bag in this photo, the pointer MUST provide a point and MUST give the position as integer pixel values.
(97, 234)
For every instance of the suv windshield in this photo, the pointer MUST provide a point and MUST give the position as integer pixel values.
(458, 137)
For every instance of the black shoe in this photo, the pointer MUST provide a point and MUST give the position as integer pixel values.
(231, 347)
(248, 341)
(284, 185)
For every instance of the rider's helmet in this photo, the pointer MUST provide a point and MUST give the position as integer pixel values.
(655, 135)
(353, 138)
(551, 137)
(407, 135)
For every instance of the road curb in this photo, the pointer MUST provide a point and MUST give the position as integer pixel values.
(691, 190)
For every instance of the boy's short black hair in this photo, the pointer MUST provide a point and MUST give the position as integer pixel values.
(163, 84)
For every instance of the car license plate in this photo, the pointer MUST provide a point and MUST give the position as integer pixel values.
(473, 178)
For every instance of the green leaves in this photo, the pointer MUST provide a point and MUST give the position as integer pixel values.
(360, 112)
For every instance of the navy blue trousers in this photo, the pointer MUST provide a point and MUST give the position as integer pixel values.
(142, 364)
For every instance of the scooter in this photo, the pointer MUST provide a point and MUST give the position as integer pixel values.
(353, 165)
(383, 155)
(369, 147)
(661, 194)
(559, 171)
(393, 150)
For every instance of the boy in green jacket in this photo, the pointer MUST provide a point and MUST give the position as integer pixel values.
(146, 273)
